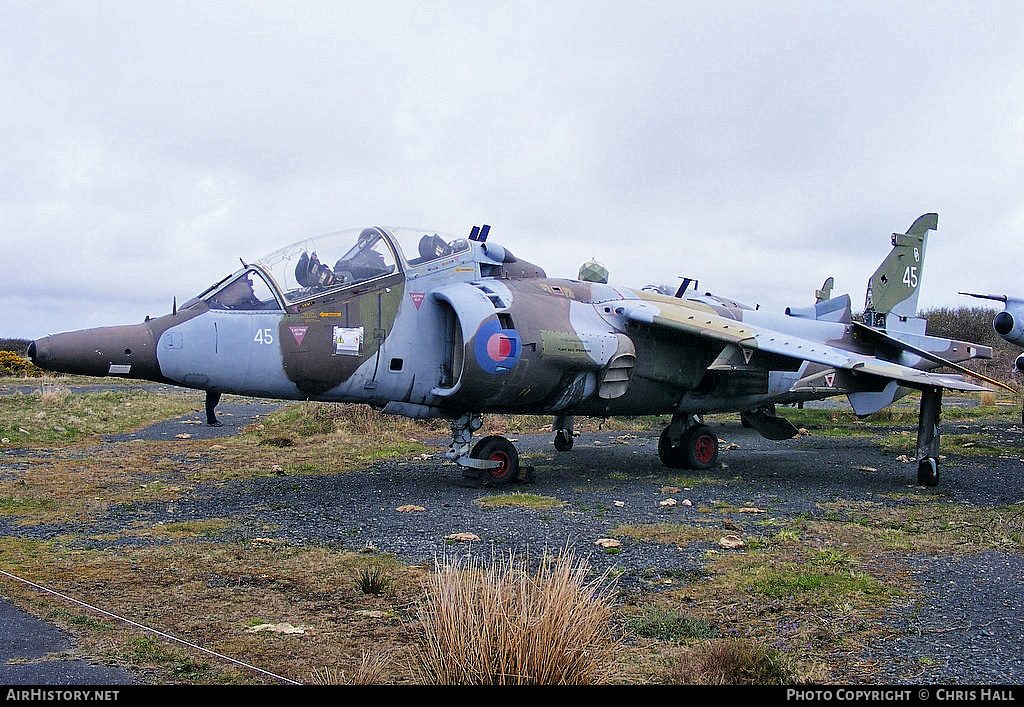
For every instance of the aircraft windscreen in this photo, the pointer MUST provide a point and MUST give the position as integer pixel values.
(247, 291)
(315, 265)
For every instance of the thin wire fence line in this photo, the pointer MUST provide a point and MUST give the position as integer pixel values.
(146, 628)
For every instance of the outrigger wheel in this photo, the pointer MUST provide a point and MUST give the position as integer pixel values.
(928, 437)
(563, 427)
(928, 472)
(563, 440)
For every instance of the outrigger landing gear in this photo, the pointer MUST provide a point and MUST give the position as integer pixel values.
(928, 437)
(687, 443)
(493, 459)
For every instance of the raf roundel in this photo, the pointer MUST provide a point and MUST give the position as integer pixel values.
(497, 350)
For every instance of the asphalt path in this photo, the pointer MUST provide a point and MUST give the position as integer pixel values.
(34, 652)
(233, 414)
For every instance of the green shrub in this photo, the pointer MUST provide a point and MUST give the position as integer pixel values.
(11, 364)
(669, 624)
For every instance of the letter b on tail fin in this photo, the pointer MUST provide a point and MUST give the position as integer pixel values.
(893, 289)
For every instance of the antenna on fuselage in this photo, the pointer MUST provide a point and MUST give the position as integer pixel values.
(687, 281)
(479, 233)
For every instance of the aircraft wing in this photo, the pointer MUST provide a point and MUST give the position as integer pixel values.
(707, 325)
(999, 298)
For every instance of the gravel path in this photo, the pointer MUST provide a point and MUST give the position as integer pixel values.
(960, 625)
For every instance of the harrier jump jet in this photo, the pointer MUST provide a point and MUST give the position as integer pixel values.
(421, 324)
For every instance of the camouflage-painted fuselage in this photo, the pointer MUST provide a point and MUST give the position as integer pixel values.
(473, 333)
(466, 328)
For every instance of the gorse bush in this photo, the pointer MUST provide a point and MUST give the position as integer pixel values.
(502, 625)
(11, 364)
(974, 324)
(18, 346)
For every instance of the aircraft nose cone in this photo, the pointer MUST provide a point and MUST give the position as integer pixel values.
(39, 352)
(125, 351)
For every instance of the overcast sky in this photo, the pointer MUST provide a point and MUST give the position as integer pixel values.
(757, 146)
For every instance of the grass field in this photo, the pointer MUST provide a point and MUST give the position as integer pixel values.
(363, 617)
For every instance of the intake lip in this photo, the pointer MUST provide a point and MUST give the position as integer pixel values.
(1003, 323)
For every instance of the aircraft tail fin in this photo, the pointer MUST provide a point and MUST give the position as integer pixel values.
(893, 289)
(825, 293)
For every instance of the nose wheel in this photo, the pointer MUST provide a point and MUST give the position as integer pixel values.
(497, 449)
(493, 459)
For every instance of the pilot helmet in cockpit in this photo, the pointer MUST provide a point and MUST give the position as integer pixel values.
(310, 272)
(367, 263)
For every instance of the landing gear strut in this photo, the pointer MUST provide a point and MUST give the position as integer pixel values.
(687, 443)
(928, 437)
(493, 459)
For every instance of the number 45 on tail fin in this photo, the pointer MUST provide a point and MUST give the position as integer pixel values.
(892, 292)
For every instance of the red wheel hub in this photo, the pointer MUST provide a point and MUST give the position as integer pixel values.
(704, 448)
(504, 462)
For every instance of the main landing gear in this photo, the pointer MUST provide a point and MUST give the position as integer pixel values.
(493, 460)
(687, 443)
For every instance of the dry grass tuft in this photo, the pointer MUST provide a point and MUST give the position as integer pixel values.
(733, 661)
(502, 625)
(372, 670)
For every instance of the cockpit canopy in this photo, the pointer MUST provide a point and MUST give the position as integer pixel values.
(345, 258)
(369, 256)
(333, 261)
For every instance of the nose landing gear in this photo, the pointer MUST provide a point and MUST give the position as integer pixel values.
(493, 460)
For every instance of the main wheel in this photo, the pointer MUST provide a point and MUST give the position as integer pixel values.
(700, 445)
(499, 449)
(671, 455)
